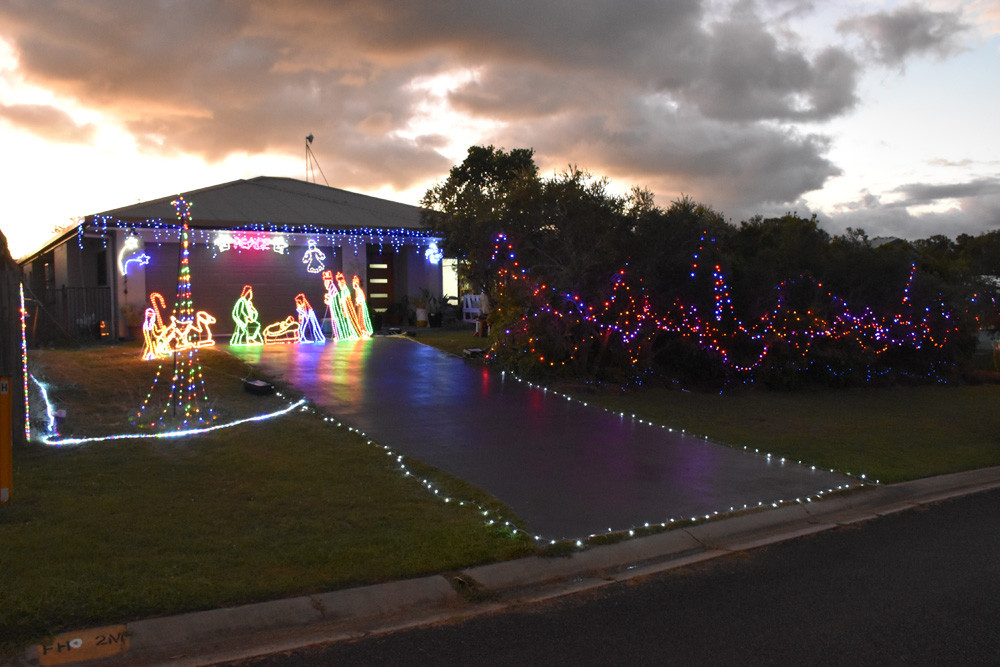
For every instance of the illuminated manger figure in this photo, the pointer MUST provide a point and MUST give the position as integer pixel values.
(313, 258)
(248, 329)
(309, 328)
(285, 331)
(361, 307)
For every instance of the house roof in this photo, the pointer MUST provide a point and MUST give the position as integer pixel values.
(275, 201)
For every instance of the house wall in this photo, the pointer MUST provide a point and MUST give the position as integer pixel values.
(218, 277)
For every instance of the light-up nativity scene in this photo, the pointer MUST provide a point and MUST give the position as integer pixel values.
(276, 260)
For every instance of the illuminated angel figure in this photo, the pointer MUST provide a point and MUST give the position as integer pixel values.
(247, 320)
(309, 328)
(313, 258)
(361, 307)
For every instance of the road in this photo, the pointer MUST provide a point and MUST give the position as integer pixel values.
(918, 588)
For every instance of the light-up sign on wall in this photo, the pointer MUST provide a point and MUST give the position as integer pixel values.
(260, 241)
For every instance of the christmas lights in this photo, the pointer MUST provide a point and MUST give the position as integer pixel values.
(246, 318)
(788, 334)
(162, 340)
(309, 329)
(127, 255)
(361, 307)
(24, 363)
(54, 440)
(433, 254)
(186, 404)
(339, 302)
(313, 258)
(285, 331)
(251, 241)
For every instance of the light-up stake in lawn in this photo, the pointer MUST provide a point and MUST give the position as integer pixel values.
(186, 403)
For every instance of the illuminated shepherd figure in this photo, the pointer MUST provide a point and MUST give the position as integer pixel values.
(309, 328)
(342, 328)
(247, 320)
(361, 307)
(346, 300)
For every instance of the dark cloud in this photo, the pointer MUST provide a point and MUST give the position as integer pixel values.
(912, 30)
(671, 95)
(749, 76)
(727, 166)
(48, 122)
(974, 209)
(915, 194)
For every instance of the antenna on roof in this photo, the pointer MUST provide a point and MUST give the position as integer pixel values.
(312, 164)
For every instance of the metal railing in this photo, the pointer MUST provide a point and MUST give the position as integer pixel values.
(69, 314)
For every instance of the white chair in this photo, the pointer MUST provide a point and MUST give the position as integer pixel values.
(470, 307)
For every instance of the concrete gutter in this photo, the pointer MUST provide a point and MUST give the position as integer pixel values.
(207, 637)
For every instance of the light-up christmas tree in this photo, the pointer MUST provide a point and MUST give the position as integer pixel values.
(180, 377)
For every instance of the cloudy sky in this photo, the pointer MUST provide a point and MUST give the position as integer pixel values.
(879, 115)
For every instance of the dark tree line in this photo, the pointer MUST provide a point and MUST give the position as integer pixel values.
(655, 280)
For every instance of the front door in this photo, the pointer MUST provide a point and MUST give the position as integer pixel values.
(380, 281)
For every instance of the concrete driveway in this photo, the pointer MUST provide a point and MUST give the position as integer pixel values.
(568, 470)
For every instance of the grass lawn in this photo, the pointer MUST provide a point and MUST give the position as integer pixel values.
(113, 531)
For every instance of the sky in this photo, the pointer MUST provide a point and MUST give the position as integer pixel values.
(875, 115)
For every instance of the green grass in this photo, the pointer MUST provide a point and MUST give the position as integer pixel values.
(889, 434)
(451, 339)
(118, 530)
(110, 532)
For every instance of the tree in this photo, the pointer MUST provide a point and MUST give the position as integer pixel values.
(473, 205)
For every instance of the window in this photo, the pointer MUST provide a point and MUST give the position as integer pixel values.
(102, 268)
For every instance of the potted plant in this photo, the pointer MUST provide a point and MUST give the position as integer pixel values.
(133, 320)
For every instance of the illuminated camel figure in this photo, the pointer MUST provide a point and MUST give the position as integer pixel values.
(161, 340)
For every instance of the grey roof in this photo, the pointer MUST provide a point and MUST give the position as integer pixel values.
(268, 200)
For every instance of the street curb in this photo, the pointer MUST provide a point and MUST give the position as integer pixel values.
(206, 637)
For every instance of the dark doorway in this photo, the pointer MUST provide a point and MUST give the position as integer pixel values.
(380, 285)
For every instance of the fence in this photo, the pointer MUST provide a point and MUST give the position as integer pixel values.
(69, 314)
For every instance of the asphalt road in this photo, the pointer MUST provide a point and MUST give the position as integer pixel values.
(917, 588)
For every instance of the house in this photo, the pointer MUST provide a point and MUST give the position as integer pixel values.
(278, 235)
